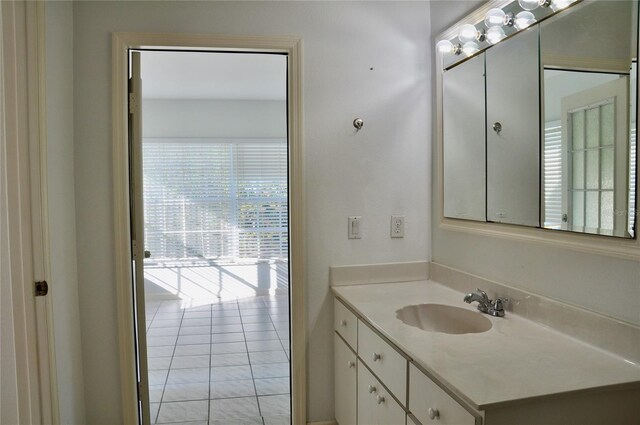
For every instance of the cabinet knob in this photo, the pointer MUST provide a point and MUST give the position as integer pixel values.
(351, 364)
(433, 413)
(372, 389)
(343, 323)
(376, 357)
(380, 399)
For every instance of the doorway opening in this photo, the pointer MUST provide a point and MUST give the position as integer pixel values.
(212, 206)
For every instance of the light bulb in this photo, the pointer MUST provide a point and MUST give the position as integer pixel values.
(560, 4)
(467, 33)
(495, 35)
(444, 46)
(530, 4)
(470, 47)
(524, 20)
(495, 18)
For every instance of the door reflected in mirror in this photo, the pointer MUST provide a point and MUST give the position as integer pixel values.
(589, 103)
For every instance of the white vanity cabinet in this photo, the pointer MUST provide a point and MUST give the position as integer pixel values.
(429, 403)
(345, 382)
(360, 396)
(388, 364)
(346, 324)
(376, 406)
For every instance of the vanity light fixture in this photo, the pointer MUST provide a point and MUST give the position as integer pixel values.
(495, 20)
(469, 33)
(560, 4)
(470, 47)
(534, 4)
(498, 18)
(446, 46)
(524, 20)
(495, 35)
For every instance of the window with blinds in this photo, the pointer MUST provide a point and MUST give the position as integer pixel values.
(210, 199)
(553, 175)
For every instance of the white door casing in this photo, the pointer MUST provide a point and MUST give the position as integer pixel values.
(27, 377)
(122, 43)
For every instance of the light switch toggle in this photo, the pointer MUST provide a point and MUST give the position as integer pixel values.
(355, 227)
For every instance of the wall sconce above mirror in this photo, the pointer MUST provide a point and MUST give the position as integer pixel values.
(539, 110)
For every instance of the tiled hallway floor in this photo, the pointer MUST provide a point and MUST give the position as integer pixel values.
(224, 364)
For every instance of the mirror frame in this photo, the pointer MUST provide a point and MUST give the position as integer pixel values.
(628, 249)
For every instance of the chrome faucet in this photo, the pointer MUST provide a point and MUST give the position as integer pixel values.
(486, 305)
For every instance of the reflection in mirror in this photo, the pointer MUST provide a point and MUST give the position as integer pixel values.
(589, 104)
(464, 150)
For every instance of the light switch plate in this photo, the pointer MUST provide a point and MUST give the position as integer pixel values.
(354, 231)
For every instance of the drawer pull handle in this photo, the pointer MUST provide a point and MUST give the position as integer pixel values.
(343, 323)
(372, 389)
(433, 413)
(351, 364)
(380, 399)
(376, 357)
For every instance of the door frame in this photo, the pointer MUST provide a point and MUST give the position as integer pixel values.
(292, 46)
(24, 212)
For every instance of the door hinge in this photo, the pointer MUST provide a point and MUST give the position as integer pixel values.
(133, 103)
(134, 250)
(41, 288)
(139, 391)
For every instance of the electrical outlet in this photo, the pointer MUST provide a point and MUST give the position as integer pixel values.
(397, 226)
(354, 230)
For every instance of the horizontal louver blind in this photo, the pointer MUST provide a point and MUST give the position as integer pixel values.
(207, 199)
(553, 175)
(261, 173)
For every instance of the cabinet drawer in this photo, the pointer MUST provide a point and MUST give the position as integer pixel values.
(375, 405)
(424, 394)
(345, 323)
(389, 365)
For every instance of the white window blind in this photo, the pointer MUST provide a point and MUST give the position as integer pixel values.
(210, 199)
(553, 175)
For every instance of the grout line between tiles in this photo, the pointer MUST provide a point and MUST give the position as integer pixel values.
(210, 354)
(170, 363)
(253, 380)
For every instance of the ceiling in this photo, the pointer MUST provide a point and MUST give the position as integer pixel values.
(213, 75)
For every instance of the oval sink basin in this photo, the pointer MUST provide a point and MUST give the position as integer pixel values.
(443, 318)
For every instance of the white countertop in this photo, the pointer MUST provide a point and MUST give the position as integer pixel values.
(516, 359)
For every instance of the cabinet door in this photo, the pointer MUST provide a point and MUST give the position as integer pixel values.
(389, 411)
(368, 387)
(345, 382)
(376, 406)
(463, 121)
(513, 130)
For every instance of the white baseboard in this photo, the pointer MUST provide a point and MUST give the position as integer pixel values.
(323, 423)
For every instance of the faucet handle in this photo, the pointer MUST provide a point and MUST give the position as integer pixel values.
(501, 300)
(498, 303)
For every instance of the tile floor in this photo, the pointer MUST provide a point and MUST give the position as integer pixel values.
(225, 363)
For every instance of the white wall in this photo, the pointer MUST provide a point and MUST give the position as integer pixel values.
(604, 284)
(361, 59)
(214, 118)
(62, 217)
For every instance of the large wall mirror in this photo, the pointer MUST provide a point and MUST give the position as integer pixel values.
(539, 116)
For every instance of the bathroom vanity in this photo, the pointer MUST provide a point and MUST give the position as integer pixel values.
(395, 366)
